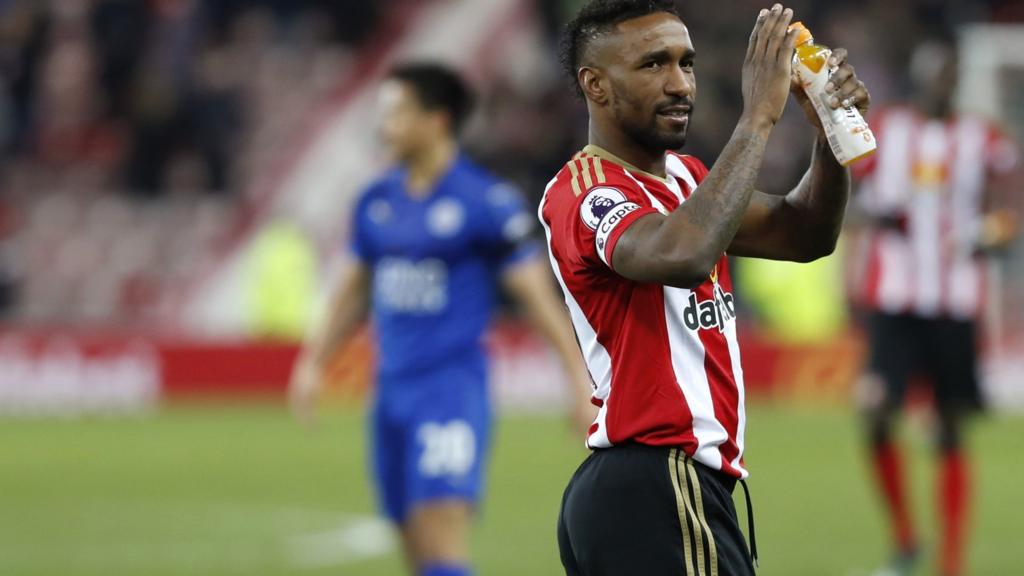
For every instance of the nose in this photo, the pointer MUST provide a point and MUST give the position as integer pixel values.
(680, 82)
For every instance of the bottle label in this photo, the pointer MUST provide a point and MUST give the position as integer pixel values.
(848, 135)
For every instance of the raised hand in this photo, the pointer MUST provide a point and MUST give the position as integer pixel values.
(768, 65)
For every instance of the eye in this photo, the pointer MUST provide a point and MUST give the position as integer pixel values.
(651, 65)
(686, 65)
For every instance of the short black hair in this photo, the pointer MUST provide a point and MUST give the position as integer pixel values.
(597, 17)
(437, 87)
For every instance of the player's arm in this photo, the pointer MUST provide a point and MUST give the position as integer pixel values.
(680, 249)
(346, 311)
(529, 284)
(1000, 218)
(804, 224)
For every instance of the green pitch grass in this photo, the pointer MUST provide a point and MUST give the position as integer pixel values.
(241, 490)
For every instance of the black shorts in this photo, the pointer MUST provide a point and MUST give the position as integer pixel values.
(942, 350)
(642, 510)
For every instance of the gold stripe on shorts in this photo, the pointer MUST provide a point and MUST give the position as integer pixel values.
(682, 507)
(712, 549)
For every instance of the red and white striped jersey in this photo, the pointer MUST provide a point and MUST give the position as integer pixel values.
(665, 361)
(928, 178)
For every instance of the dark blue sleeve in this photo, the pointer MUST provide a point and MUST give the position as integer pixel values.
(508, 225)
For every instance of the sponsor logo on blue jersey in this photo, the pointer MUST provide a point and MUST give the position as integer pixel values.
(405, 285)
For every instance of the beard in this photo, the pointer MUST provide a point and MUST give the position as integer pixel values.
(655, 139)
(643, 126)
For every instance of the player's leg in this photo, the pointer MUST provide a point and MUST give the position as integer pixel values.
(448, 437)
(636, 509)
(892, 353)
(387, 454)
(957, 393)
(565, 550)
(439, 534)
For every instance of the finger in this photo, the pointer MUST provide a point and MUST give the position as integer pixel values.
(789, 45)
(840, 77)
(849, 88)
(837, 58)
(862, 99)
(764, 37)
(853, 93)
(777, 33)
(755, 33)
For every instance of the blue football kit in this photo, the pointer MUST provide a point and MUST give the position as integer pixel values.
(436, 262)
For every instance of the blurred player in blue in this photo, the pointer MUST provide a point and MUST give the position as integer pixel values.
(433, 242)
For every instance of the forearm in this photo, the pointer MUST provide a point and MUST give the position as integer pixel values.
(690, 240)
(530, 285)
(821, 197)
(340, 327)
(556, 327)
(345, 313)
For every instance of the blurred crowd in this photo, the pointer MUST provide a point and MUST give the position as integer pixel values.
(124, 122)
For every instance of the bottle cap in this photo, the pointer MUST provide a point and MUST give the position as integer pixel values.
(803, 35)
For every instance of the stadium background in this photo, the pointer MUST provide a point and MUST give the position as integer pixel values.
(175, 181)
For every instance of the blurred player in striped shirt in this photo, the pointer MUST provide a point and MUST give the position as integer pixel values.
(931, 201)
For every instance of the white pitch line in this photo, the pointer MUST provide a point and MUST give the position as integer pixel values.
(358, 538)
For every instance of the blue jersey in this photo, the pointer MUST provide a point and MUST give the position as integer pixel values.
(435, 264)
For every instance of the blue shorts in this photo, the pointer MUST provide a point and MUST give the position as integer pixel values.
(430, 436)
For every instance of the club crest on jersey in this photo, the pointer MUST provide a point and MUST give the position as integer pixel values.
(445, 218)
(708, 314)
(598, 203)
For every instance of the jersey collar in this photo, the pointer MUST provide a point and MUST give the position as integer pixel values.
(596, 150)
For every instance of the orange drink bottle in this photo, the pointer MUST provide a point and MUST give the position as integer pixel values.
(848, 134)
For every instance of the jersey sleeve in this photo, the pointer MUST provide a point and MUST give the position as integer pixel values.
(507, 226)
(599, 216)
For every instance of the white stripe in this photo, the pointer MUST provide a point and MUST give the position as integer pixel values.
(676, 169)
(894, 272)
(688, 364)
(741, 410)
(925, 238)
(892, 180)
(967, 187)
(599, 362)
(889, 195)
(654, 201)
(965, 289)
(926, 221)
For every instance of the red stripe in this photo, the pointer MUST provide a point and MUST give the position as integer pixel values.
(873, 275)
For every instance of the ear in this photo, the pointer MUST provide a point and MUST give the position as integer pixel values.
(441, 123)
(592, 82)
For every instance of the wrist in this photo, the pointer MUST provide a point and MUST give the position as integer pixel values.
(754, 125)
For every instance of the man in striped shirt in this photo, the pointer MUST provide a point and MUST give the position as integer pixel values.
(931, 198)
(637, 237)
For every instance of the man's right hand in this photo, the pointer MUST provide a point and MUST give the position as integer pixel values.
(304, 389)
(767, 67)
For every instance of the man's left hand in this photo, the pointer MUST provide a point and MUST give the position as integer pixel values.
(845, 88)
